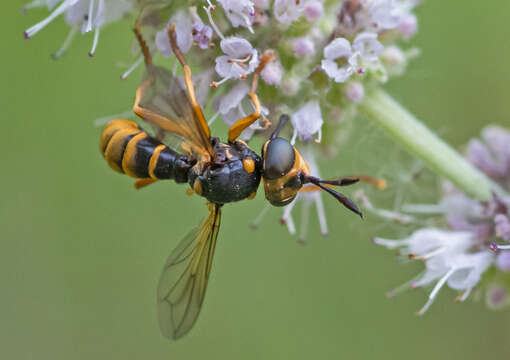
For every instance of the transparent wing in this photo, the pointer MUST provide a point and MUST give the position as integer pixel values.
(183, 282)
(163, 103)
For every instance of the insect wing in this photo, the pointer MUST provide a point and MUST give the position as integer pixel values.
(164, 103)
(183, 282)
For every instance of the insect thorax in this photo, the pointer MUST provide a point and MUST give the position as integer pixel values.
(234, 175)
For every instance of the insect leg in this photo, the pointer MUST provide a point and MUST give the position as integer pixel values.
(237, 128)
(143, 45)
(189, 82)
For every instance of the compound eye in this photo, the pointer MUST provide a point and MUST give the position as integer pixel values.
(279, 158)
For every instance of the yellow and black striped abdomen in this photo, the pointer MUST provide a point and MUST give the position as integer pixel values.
(130, 150)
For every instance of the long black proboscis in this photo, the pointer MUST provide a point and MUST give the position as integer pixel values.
(348, 203)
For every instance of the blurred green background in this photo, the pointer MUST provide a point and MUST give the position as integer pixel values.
(82, 251)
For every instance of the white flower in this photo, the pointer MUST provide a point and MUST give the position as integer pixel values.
(368, 46)
(202, 34)
(303, 46)
(272, 73)
(239, 12)
(183, 35)
(86, 15)
(230, 107)
(355, 92)
(339, 50)
(240, 58)
(287, 11)
(308, 195)
(449, 259)
(385, 14)
(37, 3)
(313, 10)
(307, 121)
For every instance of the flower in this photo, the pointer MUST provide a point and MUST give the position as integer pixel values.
(303, 46)
(88, 15)
(313, 10)
(339, 51)
(385, 14)
(183, 35)
(503, 261)
(367, 46)
(492, 154)
(502, 227)
(230, 107)
(459, 255)
(448, 260)
(497, 297)
(272, 73)
(307, 121)
(287, 11)
(240, 58)
(355, 92)
(202, 35)
(239, 12)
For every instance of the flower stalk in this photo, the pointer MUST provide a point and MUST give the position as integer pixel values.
(421, 142)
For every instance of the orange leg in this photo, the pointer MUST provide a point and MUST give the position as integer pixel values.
(143, 45)
(189, 82)
(237, 128)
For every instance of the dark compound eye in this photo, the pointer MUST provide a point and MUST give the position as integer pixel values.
(279, 158)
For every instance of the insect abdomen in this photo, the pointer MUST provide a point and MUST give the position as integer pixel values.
(131, 151)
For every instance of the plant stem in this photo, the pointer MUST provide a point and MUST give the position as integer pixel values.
(416, 138)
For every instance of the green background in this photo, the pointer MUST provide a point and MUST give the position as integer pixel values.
(81, 251)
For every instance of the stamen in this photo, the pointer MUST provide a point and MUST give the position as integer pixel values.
(255, 224)
(215, 84)
(213, 118)
(294, 136)
(132, 68)
(213, 24)
(247, 21)
(88, 28)
(213, 7)
(287, 217)
(464, 296)
(41, 25)
(427, 255)
(401, 288)
(383, 213)
(33, 4)
(319, 136)
(305, 215)
(424, 209)
(435, 291)
(66, 43)
(240, 61)
(321, 214)
(96, 40)
(496, 247)
(390, 244)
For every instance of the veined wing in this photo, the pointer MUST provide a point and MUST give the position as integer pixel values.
(162, 102)
(183, 282)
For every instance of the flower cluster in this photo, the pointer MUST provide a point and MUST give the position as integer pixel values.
(473, 239)
(81, 15)
(328, 55)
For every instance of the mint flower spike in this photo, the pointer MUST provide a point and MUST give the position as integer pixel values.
(459, 254)
(415, 137)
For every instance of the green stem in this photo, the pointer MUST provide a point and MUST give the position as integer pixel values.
(416, 138)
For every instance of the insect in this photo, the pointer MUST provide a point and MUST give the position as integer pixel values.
(220, 172)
